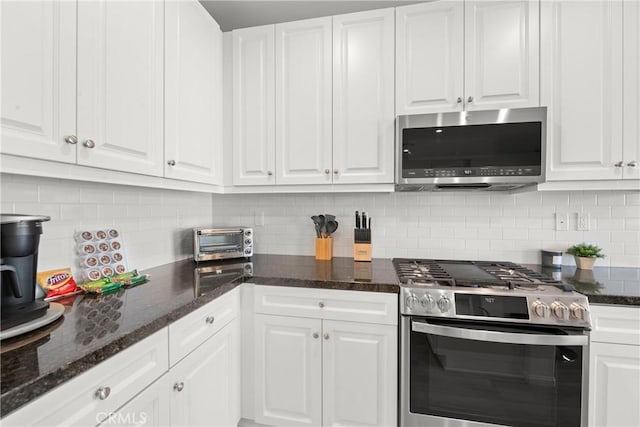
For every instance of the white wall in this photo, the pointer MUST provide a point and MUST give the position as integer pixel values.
(155, 224)
(491, 226)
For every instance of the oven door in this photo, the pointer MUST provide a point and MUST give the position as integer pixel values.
(457, 373)
(222, 244)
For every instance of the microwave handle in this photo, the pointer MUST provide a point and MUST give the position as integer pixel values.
(499, 337)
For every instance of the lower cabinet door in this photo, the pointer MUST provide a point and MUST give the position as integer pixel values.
(288, 370)
(360, 364)
(206, 384)
(614, 385)
(150, 408)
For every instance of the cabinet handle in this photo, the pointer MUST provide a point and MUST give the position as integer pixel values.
(619, 164)
(632, 164)
(326, 336)
(210, 319)
(335, 171)
(71, 139)
(103, 392)
(178, 386)
(89, 143)
(269, 173)
(470, 99)
(321, 304)
(327, 171)
(171, 162)
(459, 100)
(316, 335)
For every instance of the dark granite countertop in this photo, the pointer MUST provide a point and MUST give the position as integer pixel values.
(95, 328)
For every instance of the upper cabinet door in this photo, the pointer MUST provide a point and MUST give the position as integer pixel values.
(631, 95)
(38, 110)
(193, 94)
(253, 106)
(303, 102)
(363, 97)
(582, 87)
(429, 53)
(120, 85)
(502, 41)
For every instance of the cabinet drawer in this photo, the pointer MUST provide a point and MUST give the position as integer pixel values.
(356, 306)
(615, 324)
(77, 403)
(192, 330)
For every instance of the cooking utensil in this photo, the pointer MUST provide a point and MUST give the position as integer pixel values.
(332, 226)
(323, 225)
(316, 223)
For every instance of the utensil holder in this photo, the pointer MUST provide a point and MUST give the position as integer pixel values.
(324, 248)
(362, 252)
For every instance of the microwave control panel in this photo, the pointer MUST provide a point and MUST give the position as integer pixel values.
(471, 172)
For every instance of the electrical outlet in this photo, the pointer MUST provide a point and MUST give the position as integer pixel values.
(584, 221)
(562, 221)
(258, 218)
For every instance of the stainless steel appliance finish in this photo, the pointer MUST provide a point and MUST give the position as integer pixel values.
(216, 243)
(490, 343)
(493, 150)
(210, 275)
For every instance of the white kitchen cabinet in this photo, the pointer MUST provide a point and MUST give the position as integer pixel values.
(38, 60)
(631, 94)
(193, 94)
(288, 370)
(88, 398)
(474, 55)
(150, 408)
(582, 87)
(303, 102)
(363, 95)
(359, 373)
(313, 367)
(614, 366)
(254, 106)
(206, 383)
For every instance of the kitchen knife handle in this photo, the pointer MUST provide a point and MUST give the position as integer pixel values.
(357, 220)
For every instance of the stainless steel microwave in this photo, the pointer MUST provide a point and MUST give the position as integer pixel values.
(471, 150)
(215, 243)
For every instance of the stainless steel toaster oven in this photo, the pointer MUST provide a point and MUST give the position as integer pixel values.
(222, 243)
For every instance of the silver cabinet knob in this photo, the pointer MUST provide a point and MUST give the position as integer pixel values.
(470, 99)
(178, 386)
(89, 143)
(632, 164)
(210, 320)
(327, 171)
(71, 139)
(335, 171)
(326, 336)
(459, 100)
(269, 173)
(321, 304)
(316, 335)
(171, 162)
(619, 164)
(103, 392)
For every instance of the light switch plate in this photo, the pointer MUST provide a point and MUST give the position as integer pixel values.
(562, 221)
(583, 222)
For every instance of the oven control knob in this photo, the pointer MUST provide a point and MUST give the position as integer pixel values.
(560, 310)
(411, 301)
(443, 304)
(541, 309)
(427, 302)
(578, 311)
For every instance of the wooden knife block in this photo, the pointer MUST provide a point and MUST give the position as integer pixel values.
(324, 248)
(362, 252)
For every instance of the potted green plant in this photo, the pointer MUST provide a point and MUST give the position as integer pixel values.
(585, 255)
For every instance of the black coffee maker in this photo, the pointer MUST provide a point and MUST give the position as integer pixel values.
(20, 237)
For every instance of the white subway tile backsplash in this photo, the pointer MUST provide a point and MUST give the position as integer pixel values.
(496, 226)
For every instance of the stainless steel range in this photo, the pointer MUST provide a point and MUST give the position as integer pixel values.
(490, 343)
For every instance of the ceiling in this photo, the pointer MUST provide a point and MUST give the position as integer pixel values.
(250, 13)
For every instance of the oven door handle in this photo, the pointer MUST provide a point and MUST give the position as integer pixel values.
(501, 337)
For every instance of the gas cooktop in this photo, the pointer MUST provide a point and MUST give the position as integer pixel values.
(487, 290)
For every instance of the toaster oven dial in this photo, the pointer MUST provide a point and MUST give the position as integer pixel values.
(247, 242)
(247, 251)
(541, 309)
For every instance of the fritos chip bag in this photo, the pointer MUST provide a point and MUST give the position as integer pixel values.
(57, 282)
